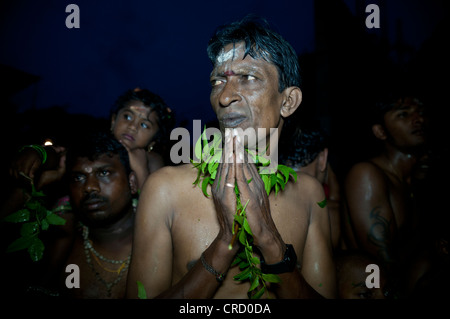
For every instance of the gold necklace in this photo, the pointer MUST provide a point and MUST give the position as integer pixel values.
(89, 249)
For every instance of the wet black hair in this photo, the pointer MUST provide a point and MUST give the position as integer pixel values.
(261, 41)
(386, 100)
(92, 145)
(304, 146)
(166, 117)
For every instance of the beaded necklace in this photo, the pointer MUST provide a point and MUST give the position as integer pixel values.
(89, 249)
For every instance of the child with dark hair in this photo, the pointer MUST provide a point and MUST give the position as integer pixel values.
(142, 122)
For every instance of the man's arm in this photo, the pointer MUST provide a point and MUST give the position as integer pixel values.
(318, 267)
(152, 258)
(370, 212)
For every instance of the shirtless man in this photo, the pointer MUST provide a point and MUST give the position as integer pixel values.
(378, 197)
(97, 235)
(176, 224)
(308, 153)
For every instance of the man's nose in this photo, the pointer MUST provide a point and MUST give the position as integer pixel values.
(229, 93)
(92, 184)
(418, 117)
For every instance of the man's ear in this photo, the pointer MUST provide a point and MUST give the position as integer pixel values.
(132, 180)
(292, 99)
(323, 160)
(379, 131)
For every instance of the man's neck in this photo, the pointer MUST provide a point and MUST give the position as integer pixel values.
(400, 164)
(121, 230)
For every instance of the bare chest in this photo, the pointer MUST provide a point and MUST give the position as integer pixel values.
(401, 200)
(195, 228)
(97, 278)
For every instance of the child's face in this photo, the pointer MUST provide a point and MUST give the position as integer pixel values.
(135, 125)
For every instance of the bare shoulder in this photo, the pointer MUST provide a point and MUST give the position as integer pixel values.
(365, 171)
(172, 177)
(166, 191)
(309, 187)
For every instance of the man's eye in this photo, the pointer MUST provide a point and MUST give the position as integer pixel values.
(104, 173)
(78, 178)
(250, 77)
(144, 125)
(216, 82)
(127, 117)
(403, 114)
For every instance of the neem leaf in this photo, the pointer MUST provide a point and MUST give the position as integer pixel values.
(44, 224)
(20, 216)
(239, 219)
(36, 249)
(203, 136)
(266, 181)
(273, 180)
(322, 203)
(259, 293)
(29, 229)
(255, 260)
(214, 173)
(271, 278)
(142, 294)
(243, 264)
(242, 237)
(247, 227)
(255, 283)
(285, 171)
(32, 205)
(293, 173)
(19, 244)
(54, 219)
(243, 275)
(235, 262)
(205, 185)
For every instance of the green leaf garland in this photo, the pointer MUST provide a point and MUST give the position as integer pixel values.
(210, 154)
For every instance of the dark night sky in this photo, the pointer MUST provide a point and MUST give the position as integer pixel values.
(156, 45)
(123, 44)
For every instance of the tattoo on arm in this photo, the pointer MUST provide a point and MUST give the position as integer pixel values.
(379, 234)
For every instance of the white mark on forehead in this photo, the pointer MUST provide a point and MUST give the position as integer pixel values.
(140, 111)
(225, 56)
(88, 169)
(228, 55)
